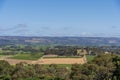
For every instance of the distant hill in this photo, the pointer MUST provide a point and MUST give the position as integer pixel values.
(78, 41)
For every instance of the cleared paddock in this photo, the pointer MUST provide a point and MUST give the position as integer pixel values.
(48, 60)
(60, 61)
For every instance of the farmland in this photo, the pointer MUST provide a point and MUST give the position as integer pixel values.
(60, 61)
(33, 60)
(48, 63)
(48, 55)
(27, 56)
(37, 55)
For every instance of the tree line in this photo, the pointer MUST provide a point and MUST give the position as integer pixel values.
(58, 50)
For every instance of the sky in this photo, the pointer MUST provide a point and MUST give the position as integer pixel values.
(86, 18)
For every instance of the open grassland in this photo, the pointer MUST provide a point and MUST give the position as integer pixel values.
(27, 56)
(0, 55)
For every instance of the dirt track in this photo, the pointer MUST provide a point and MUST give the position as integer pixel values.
(47, 61)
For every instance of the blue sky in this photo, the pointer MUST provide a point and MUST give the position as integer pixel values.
(60, 18)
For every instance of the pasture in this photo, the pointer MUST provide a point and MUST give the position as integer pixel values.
(27, 56)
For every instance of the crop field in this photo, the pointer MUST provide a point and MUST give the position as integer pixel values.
(34, 59)
(60, 61)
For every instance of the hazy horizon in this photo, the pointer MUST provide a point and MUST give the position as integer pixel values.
(60, 18)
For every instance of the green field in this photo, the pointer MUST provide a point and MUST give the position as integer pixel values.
(27, 56)
(89, 57)
(1, 55)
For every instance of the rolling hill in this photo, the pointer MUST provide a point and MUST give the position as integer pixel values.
(78, 41)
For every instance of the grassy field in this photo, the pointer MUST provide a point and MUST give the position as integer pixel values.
(27, 56)
(89, 57)
(1, 55)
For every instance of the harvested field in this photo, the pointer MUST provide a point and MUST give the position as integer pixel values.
(60, 61)
(13, 61)
(48, 61)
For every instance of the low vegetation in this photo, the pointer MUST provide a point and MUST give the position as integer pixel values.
(27, 56)
(90, 57)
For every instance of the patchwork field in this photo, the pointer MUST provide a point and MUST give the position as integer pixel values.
(60, 61)
(47, 60)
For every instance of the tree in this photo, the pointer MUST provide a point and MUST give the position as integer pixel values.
(116, 73)
(5, 70)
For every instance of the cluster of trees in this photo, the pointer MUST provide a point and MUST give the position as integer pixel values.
(24, 71)
(72, 50)
(58, 50)
(11, 50)
(102, 67)
(95, 50)
(62, 51)
(111, 49)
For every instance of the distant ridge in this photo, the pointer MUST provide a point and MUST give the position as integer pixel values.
(77, 41)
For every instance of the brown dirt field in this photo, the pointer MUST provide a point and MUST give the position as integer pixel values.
(13, 61)
(48, 61)
(60, 61)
